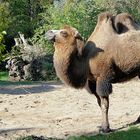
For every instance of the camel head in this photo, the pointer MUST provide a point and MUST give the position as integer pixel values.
(66, 38)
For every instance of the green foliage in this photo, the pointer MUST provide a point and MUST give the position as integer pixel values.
(130, 6)
(49, 72)
(24, 16)
(3, 75)
(4, 15)
(77, 15)
(2, 46)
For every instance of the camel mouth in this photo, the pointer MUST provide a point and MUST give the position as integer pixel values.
(50, 35)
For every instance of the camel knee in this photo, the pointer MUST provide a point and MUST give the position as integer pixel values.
(104, 88)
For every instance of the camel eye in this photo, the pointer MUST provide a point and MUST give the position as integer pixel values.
(64, 33)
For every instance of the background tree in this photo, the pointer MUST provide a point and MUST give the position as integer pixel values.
(2, 46)
(4, 15)
(24, 16)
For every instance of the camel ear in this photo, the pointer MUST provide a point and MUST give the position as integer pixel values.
(79, 43)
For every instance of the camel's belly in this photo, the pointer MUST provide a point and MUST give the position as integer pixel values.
(122, 76)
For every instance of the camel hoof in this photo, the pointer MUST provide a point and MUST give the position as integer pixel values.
(105, 130)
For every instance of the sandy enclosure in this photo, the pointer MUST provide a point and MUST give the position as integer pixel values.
(54, 110)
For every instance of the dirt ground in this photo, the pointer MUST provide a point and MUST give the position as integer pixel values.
(54, 110)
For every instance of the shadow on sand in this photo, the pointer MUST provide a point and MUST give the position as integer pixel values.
(18, 88)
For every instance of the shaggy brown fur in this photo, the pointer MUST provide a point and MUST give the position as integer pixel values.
(107, 57)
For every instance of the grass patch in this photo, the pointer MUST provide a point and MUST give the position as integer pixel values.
(131, 134)
(3, 75)
(4, 80)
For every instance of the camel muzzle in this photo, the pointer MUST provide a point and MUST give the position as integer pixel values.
(50, 35)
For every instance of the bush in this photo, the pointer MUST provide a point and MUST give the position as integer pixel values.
(2, 46)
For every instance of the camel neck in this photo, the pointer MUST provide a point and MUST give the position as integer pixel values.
(71, 68)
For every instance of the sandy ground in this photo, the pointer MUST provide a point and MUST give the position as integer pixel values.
(54, 110)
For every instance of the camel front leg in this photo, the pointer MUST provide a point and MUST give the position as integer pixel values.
(104, 88)
(104, 108)
(91, 88)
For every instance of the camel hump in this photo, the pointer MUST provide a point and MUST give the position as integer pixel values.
(104, 15)
(124, 22)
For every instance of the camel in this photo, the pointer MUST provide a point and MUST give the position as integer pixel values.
(107, 57)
